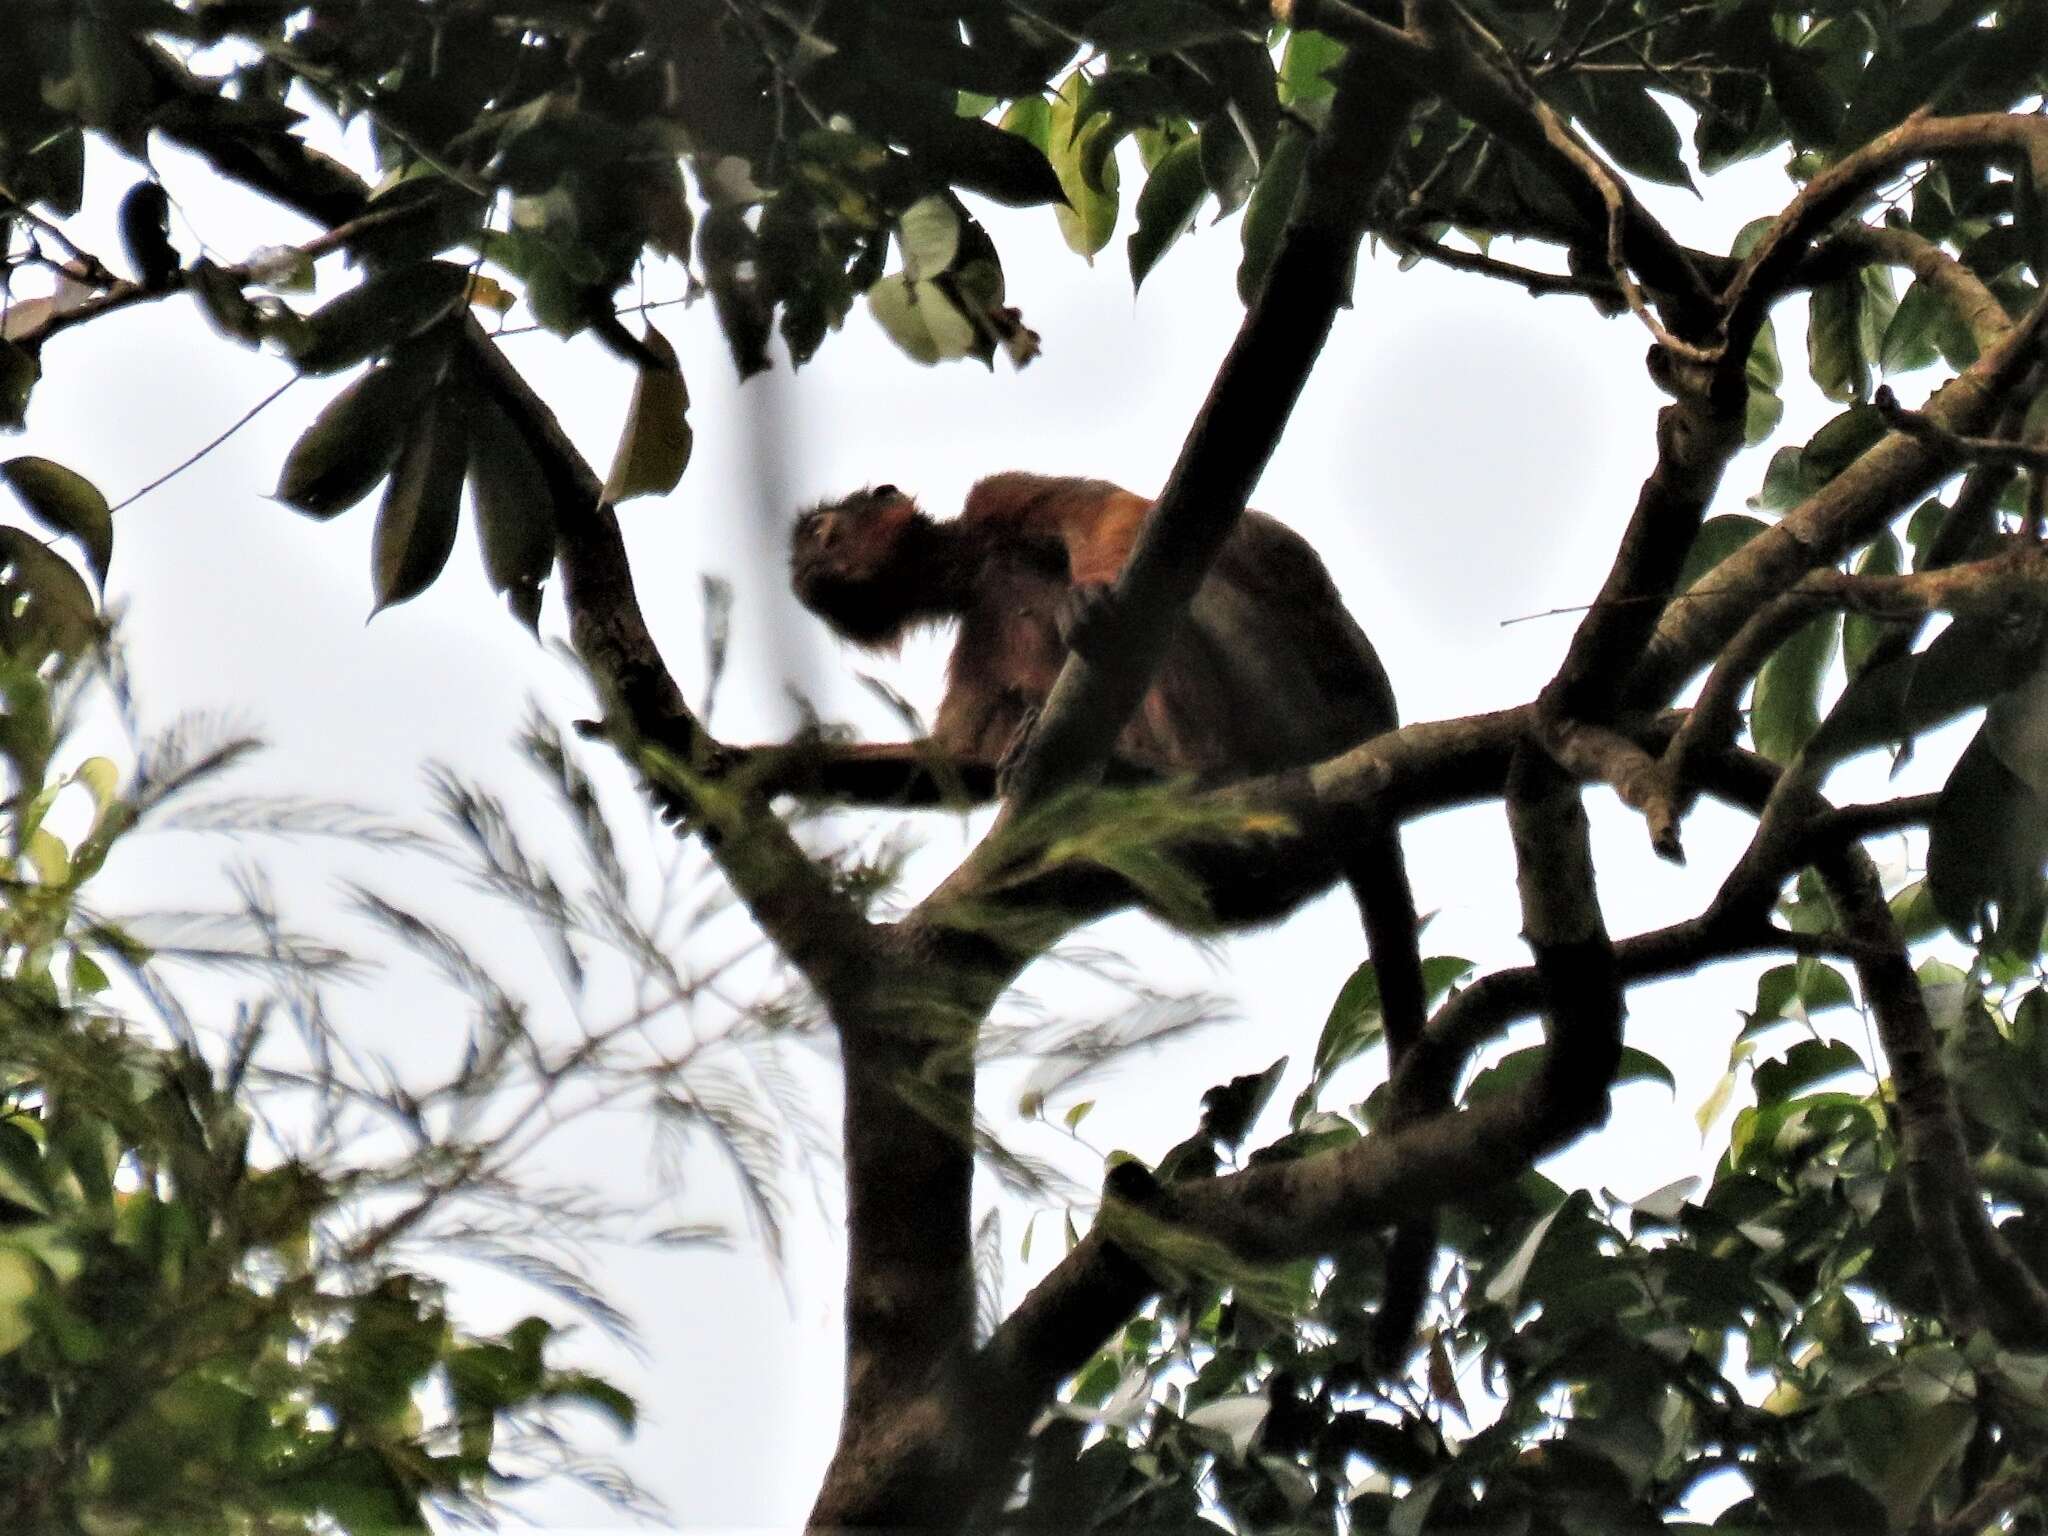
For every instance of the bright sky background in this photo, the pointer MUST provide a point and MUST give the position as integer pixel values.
(1464, 456)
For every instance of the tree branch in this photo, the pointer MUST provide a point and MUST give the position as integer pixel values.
(1848, 510)
(1233, 434)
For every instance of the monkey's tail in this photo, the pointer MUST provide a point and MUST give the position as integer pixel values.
(1378, 875)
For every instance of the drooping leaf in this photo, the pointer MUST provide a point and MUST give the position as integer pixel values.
(355, 439)
(1073, 144)
(416, 523)
(1834, 340)
(1166, 210)
(921, 319)
(1785, 710)
(654, 449)
(1630, 125)
(64, 500)
(1267, 211)
(929, 232)
(1970, 663)
(45, 605)
(1986, 844)
(515, 513)
(1860, 632)
(1909, 338)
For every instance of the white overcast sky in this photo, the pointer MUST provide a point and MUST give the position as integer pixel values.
(1465, 455)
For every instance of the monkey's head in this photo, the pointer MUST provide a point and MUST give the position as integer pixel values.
(857, 564)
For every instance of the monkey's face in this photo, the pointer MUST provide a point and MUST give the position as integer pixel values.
(853, 563)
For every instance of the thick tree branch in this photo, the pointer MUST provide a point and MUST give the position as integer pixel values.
(1233, 434)
(2006, 585)
(1768, 270)
(1961, 289)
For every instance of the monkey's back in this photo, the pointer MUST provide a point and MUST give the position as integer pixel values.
(1268, 670)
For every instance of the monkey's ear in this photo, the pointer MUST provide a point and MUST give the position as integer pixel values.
(885, 493)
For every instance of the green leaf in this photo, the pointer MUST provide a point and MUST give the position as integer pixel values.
(1785, 710)
(654, 449)
(1764, 372)
(1074, 144)
(1267, 211)
(1811, 107)
(1834, 340)
(45, 605)
(1860, 632)
(1631, 125)
(1909, 337)
(20, 1279)
(1718, 538)
(921, 319)
(1172, 195)
(416, 524)
(66, 501)
(1355, 1022)
(1806, 1064)
(594, 1392)
(1971, 662)
(1305, 66)
(377, 314)
(1840, 443)
(980, 157)
(355, 440)
(929, 232)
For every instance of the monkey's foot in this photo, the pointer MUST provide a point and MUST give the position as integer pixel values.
(1083, 617)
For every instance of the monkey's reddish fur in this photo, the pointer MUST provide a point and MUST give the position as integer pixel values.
(1268, 670)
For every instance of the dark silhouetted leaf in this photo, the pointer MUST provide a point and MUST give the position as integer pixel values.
(1986, 844)
(146, 234)
(1971, 662)
(1630, 125)
(377, 314)
(416, 524)
(355, 439)
(45, 605)
(515, 512)
(65, 500)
